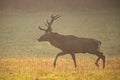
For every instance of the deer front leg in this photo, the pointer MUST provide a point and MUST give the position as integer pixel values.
(74, 60)
(59, 54)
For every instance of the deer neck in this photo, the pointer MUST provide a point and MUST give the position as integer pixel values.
(56, 40)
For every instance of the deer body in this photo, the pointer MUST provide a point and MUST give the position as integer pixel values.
(70, 44)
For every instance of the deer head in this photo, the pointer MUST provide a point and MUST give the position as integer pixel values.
(47, 35)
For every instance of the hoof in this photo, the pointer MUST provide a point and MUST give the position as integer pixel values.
(97, 64)
(54, 65)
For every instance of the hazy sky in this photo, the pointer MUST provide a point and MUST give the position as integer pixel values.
(59, 5)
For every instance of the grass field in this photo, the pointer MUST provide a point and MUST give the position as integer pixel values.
(27, 68)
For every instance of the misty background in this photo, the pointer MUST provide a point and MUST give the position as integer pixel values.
(19, 21)
(57, 5)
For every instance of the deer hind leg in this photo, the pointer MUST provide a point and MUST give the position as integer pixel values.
(96, 63)
(103, 58)
(73, 57)
(59, 54)
(100, 55)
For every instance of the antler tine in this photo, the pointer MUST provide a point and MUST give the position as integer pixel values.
(55, 17)
(52, 16)
(46, 24)
(42, 29)
(58, 16)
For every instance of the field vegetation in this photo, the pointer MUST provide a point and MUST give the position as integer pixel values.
(42, 69)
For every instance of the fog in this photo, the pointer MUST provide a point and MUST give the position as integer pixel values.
(57, 5)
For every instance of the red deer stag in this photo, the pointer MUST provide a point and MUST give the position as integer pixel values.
(70, 44)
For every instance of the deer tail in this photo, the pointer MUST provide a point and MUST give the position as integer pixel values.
(99, 44)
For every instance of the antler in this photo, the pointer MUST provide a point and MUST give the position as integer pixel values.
(42, 29)
(53, 18)
(49, 23)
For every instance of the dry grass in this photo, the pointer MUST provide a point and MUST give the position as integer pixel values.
(42, 69)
